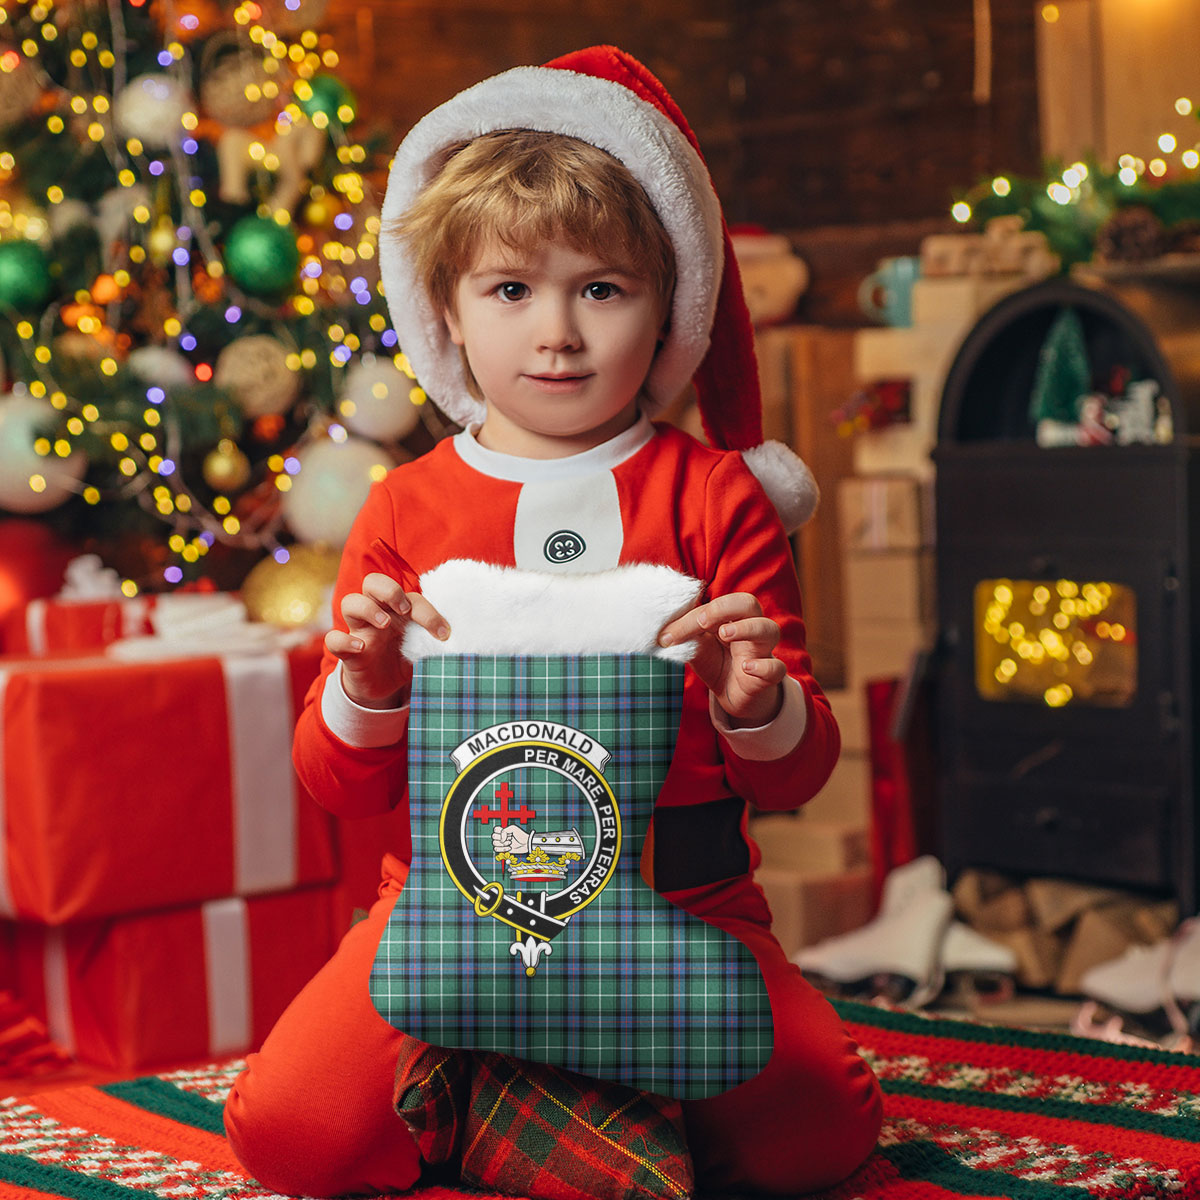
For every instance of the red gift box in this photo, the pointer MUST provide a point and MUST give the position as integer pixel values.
(173, 987)
(52, 625)
(132, 786)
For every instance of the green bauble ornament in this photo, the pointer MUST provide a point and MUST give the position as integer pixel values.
(328, 95)
(262, 255)
(24, 275)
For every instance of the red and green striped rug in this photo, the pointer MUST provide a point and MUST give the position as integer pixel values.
(972, 1110)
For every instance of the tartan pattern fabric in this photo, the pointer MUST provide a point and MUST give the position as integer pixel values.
(533, 1130)
(432, 1089)
(632, 989)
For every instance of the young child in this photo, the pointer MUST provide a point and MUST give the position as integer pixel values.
(558, 270)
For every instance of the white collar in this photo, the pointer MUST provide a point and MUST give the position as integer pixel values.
(514, 469)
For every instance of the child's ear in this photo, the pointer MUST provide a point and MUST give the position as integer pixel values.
(452, 327)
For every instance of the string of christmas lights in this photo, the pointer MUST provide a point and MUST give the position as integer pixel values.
(1075, 203)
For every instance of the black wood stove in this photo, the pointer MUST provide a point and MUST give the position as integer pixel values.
(1068, 656)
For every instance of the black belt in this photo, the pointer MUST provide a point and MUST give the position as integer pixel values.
(696, 844)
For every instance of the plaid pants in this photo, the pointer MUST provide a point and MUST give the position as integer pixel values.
(527, 1129)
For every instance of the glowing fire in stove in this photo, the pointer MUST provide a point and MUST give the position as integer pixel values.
(1056, 641)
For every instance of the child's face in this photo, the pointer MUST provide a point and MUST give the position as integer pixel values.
(559, 342)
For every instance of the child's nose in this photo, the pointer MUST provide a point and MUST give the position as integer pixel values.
(558, 329)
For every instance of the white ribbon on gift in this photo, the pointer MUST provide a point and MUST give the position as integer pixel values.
(56, 980)
(226, 972)
(35, 626)
(876, 495)
(227, 975)
(258, 699)
(131, 614)
(6, 900)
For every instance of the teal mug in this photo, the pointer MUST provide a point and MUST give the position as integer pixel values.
(886, 294)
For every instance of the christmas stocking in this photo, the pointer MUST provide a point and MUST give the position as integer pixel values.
(525, 926)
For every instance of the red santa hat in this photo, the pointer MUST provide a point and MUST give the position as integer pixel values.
(607, 98)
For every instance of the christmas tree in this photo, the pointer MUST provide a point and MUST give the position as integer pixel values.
(196, 357)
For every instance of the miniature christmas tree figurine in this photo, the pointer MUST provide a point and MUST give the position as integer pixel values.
(1062, 382)
(191, 327)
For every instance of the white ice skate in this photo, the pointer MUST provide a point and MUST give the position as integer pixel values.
(898, 953)
(980, 966)
(1155, 987)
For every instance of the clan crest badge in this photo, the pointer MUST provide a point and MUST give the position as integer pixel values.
(531, 864)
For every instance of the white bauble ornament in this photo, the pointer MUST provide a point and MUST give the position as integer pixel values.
(161, 366)
(375, 400)
(330, 488)
(255, 370)
(29, 221)
(66, 215)
(114, 216)
(150, 108)
(79, 348)
(24, 419)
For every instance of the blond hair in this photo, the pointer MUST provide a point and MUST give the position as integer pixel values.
(520, 188)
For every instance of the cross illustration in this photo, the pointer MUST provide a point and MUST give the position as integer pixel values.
(506, 815)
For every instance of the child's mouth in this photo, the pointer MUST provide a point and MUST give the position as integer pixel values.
(558, 383)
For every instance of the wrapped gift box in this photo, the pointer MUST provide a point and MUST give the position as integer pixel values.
(885, 512)
(46, 626)
(888, 586)
(173, 987)
(131, 786)
(807, 908)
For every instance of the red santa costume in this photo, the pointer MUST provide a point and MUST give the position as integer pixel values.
(642, 521)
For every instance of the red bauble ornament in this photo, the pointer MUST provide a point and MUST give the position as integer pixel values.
(32, 560)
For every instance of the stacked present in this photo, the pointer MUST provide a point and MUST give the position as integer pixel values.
(887, 574)
(816, 875)
(167, 884)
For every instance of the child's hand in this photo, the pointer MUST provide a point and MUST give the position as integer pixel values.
(734, 656)
(373, 673)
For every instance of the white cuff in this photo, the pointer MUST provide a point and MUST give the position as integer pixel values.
(777, 738)
(356, 725)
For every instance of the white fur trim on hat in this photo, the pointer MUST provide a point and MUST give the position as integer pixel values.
(604, 114)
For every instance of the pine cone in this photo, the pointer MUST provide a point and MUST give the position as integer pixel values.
(1132, 234)
(1184, 238)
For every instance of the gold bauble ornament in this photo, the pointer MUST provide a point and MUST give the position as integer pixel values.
(295, 593)
(237, 89)
(318, 213)
(226, 468)
(255, 370)
(161, 242)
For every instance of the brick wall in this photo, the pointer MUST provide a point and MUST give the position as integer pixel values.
(810, 113)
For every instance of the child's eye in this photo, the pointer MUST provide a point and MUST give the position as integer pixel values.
(601, 291)
(512, 291)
